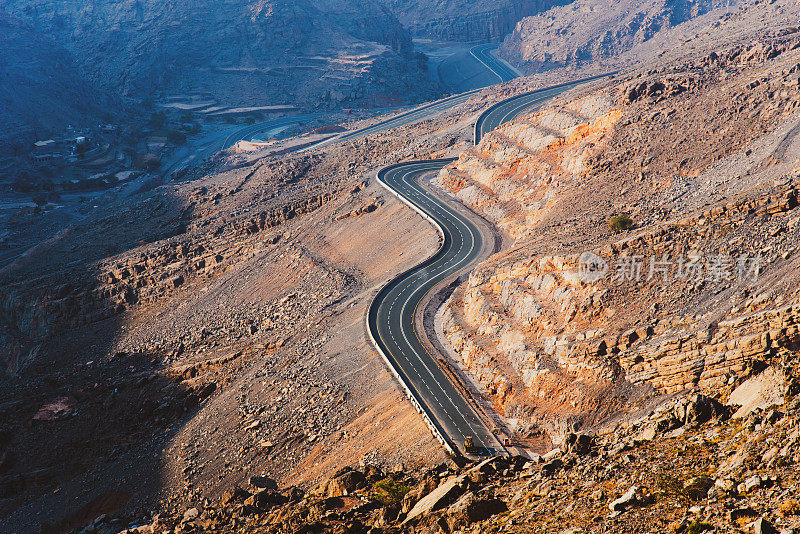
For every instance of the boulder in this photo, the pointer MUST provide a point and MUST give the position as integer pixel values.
(480, 473)
(754, 482)
(626, 501)
(430, 483)
(762, 526)
(579, 444)
(263, 482)
(234, 495)
(345, 483)
(191, 514)
(701, 409)
(447, 492)
(759, 392)
(266, 499)
(470, 509)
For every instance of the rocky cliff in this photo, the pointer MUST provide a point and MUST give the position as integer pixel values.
(460, 20)
(588, 30)
(704, 285)
(258, 53)
(41, 88)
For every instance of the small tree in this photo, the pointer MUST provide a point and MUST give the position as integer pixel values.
(620, 223)
(389, 491)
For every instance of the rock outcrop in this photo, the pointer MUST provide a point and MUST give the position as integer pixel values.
(463, 20)
(586, 31)
(684, 299)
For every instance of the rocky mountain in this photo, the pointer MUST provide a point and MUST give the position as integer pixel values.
(586, 31)
(41, 88)
(463, 20)
(659, 473)
(689, 164)
(257, 53)
(193, 358)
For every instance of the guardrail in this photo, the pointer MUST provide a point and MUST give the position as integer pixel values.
(407, 389)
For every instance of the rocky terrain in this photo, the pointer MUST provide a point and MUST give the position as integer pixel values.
(589, 34)
(38, 77)
(193, 357)
(461, 20)
(709, 187)
(693, 465)
(156, 348)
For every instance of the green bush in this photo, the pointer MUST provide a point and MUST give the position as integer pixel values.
(389, 491)
(697, 526)
(620, 223)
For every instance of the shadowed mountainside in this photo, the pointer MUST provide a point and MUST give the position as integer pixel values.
(463, 20)
(38, 77)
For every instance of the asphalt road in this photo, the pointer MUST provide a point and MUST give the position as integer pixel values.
(196, 151)
(391, 316)
(508, 109)
(482, 53)
(409, 117)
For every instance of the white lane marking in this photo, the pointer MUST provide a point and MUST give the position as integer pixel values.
(472, 53)
(459, 223)
(413, 170)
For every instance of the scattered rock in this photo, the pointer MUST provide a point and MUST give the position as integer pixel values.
(191, 514)
(759, 392)
(628, 499)
(447, 492)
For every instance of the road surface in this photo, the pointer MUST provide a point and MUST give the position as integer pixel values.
(196, 151)
(391, 316)
(482, 53)
(513, 107)
(409, 117)
(501, 69)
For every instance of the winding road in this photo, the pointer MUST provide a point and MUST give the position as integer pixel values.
(508, 109)
(482, 53)
(501, 69)
(391, 318)
(409, 117)
(197, 151)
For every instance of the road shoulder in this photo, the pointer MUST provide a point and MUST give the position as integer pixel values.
(428, 322)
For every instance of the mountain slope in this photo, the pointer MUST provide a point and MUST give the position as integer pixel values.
(587, 30)
(38, 78)
(252, 52)
(465, 20)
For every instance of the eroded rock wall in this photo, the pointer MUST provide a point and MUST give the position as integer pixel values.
(557, 350)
